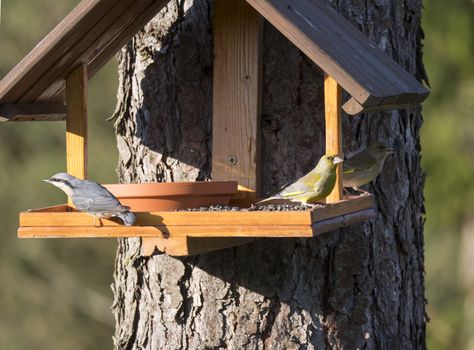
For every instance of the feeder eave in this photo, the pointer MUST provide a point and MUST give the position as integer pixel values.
(372, 78)
(91, 34)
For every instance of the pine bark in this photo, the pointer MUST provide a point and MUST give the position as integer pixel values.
(361, 287)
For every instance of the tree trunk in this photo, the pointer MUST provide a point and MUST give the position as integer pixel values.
(361, 287)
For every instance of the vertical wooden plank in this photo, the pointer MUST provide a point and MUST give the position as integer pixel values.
(236, 93)
(76, 123)
(332, 108)
(236, 106)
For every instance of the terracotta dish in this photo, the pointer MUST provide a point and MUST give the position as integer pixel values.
(156, 196)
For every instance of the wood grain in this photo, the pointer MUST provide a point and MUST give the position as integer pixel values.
(282, 293)
(206, 245)
(76, 122)
(177, 246)
(96, 48)
(99, 57)
(353, 108)
(342, 221)
(372, 78)
(90, 36)
(92, 33)
(333, 120)
(236, 93)
(165, 231)
(244, 193)
(51, 48)
(185, 246)
(61, 208)
(156, 228)
(96, 29)
(240, 218)
(343, 207)
(32, 112)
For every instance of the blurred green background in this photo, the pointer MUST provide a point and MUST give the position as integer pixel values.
(55, 294)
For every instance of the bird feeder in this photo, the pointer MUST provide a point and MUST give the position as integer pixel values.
(50, 83)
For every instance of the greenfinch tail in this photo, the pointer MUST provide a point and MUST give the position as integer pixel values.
(365, 166)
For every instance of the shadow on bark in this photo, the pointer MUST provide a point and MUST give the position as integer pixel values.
(361, 287)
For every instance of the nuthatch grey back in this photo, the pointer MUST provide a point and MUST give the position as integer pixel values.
(92, 198)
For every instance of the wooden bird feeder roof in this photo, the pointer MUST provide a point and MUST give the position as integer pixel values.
(372, 78)
(96, 29)
(91, 34)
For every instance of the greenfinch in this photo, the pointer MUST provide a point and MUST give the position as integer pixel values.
(365, 166)
(314, 186)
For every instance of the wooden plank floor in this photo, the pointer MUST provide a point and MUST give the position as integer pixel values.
(183, 233)
(62, 221)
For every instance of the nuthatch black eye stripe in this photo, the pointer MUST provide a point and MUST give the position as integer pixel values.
(92, 198)
(67, 183)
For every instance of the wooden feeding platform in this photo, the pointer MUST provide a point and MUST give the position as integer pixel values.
(50, 83)
(181, 233)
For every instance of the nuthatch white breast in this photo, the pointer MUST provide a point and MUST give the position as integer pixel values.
(92, 198)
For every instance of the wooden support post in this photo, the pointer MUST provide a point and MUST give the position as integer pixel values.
(237, 93)
(332, 107)
(236, 112)
(76, 122)
(236, 104)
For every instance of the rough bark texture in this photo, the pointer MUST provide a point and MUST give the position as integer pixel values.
(361, 287)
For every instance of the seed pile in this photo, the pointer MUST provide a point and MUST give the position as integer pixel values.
(269, 207)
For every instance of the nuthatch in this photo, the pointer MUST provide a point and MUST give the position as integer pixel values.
(92, 198)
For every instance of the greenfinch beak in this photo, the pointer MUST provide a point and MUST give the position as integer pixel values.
(390, 150)
(337, 160)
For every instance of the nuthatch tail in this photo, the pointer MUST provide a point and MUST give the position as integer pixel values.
(92, 198)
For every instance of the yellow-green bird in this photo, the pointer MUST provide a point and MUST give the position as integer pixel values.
(365, 166)
(315, 185)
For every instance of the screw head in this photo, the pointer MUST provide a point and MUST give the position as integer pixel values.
(232, 160)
